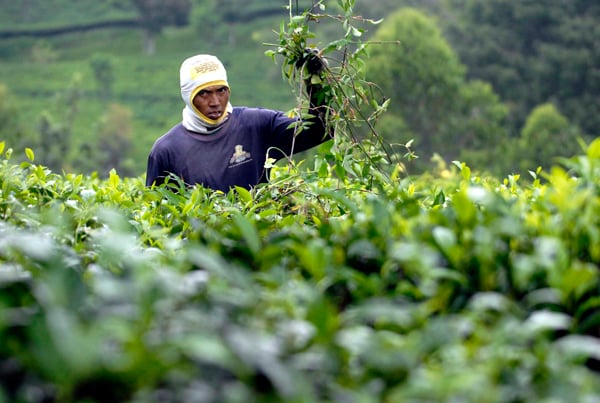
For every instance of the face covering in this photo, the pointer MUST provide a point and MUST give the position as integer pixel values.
(195, 74)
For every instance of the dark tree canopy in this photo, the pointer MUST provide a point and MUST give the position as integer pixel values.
(534, 52)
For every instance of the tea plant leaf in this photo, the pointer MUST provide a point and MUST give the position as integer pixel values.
(590, 322)
(576, 280)
(313, 256)
(593, 150)
(322, 315)
(260, 354)
(490, 301)
(113, 178)
(580, 347)
(249, 233)
(244, 194)
(444, 238)
(540, 321)
(29, 153)
(466, 210)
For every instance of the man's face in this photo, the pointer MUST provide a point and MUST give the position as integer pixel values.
(212, 101)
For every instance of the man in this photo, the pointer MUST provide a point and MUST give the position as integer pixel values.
(219, 146)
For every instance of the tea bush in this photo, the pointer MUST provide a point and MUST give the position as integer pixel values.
(342, 279)
(304, 289)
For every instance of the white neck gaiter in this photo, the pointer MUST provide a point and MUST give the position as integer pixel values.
(196, 73)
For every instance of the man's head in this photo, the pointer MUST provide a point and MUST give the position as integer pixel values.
(204, 88)
(211, 102)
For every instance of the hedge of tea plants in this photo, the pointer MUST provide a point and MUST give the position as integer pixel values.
(311, 288)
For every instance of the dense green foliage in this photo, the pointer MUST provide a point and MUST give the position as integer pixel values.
(305, 289)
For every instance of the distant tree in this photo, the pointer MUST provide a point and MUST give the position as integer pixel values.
(157, 14)
(479, 128)
(430, 98)
(533, 52)
(421, 75)
(481, 116)
(547, 134)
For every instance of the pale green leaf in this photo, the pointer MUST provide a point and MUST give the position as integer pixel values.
(580, 346)
(244, 194)
(593, 150)
(248, 232)
(29, 153)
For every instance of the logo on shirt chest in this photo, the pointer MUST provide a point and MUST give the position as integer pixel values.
(239, 156)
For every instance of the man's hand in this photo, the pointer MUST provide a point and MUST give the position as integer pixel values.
(312, 61)
(313, 68)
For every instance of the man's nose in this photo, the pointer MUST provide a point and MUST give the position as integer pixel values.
(213, 99)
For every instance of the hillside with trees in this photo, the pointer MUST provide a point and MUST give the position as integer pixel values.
(464, 79)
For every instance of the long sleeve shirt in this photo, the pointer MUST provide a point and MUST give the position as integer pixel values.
(233, 156)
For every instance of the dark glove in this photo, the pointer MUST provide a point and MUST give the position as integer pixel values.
(313, 66)
(313, 62)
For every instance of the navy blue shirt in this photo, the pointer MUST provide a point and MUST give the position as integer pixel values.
(233, 156)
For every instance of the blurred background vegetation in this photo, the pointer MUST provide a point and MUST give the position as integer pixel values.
(504, 85)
